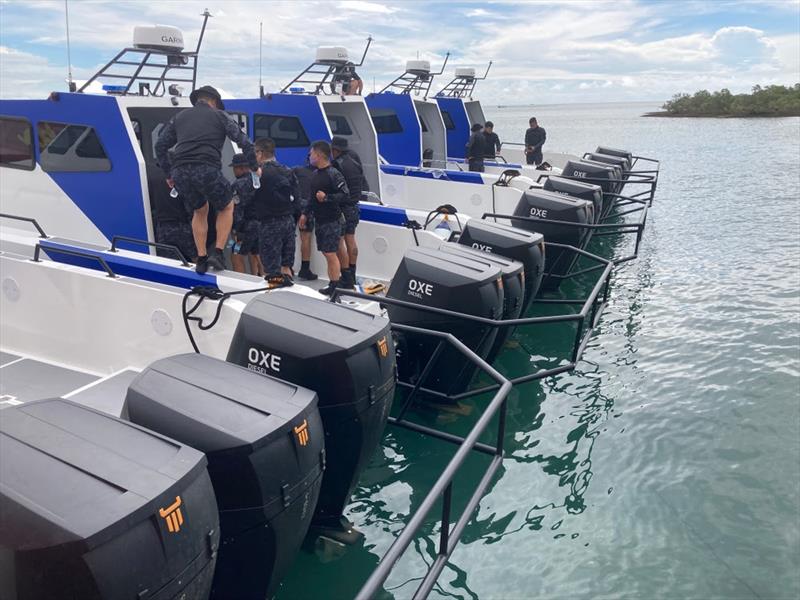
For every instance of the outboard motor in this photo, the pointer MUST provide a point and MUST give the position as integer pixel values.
(524, 246)
(597, 172)
(430, 277)
(617, 161)
(265, 446)
(348, 358)
(577, 189)
(615, 152)
(95, 507)
(513, 275)
(556, 207)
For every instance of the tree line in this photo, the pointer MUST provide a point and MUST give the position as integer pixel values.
(770, 101)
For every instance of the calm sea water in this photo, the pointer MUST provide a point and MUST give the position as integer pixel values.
(668, 464)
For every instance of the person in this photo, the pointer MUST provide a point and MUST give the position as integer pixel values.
(246, 235)
(172, 222)
(534, 140)
(475, 149)
(328, 189)
(195, 170)
(273, 204)
(491, 142)
(302, 207)
(356, 84)
(349, 165)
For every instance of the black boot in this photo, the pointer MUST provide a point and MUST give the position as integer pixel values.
(216, 260)
(347, 282)
(328, 289)
(202, 264)
(305, 272)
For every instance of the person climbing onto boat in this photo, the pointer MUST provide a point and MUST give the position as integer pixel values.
(171, 219)
(348, 165)
(195, 169)
(328, 189)
(491, 141)
(274, 205)
(301, 207)
(475, 148)
(534, 140)
(246, 237)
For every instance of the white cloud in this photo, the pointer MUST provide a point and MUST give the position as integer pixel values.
(371, 7)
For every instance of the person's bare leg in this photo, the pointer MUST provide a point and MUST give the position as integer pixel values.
(334, 268)
(255, 265)
(200, 229)
(224, 225)
(352, 248)
(305, 245)
(344, 260)
(237, 260)
(286, 270)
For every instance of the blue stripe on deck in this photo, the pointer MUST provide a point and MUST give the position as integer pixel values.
(388, 215)
(457, 176)
(176, 276)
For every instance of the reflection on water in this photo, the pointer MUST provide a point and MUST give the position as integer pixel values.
(667, 464)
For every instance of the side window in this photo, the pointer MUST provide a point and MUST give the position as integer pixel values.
(385, 121)
(424, 125)
(241, 120)
(339, 125)
(286, 132)
(448, 120)
(71, 148)
(16, 143)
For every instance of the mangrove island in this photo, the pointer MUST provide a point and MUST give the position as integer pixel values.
(770, 101)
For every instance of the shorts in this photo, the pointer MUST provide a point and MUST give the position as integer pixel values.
(277, 244)
(309, 223)
(328, 236)
(351, 214)
(534, 158)
(248, 236)
(200, 183)
(178, 235)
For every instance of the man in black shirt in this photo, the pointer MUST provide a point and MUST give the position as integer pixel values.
(328, 189)
(246, 236)
(491, 141)
(475, 149)
(302, 207)
(171, 219)
(534, 140)
(273, 205)
(195, 168)
(350, 166)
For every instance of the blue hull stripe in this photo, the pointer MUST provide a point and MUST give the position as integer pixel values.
(177, 276)
(457, 176)
(387, 215)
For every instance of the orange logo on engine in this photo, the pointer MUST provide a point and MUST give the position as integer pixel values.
(302, 433)
(173, 515)
(383, 347)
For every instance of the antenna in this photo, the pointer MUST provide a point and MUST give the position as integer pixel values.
(363, 56)
(260, 49)
(70, 82)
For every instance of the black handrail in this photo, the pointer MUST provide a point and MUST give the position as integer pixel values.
(37, 250)
(123, 238)
(449, 536)
(30, 220)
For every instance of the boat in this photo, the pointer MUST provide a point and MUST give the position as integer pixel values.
(272, 399)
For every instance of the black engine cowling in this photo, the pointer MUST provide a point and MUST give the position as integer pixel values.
(433, 278)
(550, 206)
(597, 173)
(518, 244)
(513, 275)
(346, 356)
(577, 189)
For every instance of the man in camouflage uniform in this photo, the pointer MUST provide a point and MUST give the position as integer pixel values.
(274, 207)
(328, 189)
(172, 222)
(245, 224)
(195, 167)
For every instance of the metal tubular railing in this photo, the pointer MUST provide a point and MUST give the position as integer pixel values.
(449, 533)
(30, 220)
(132, 240)
(50, 249)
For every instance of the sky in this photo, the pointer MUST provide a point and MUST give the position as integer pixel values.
(544, 52)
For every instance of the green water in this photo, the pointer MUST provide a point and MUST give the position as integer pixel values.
(668, 464)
